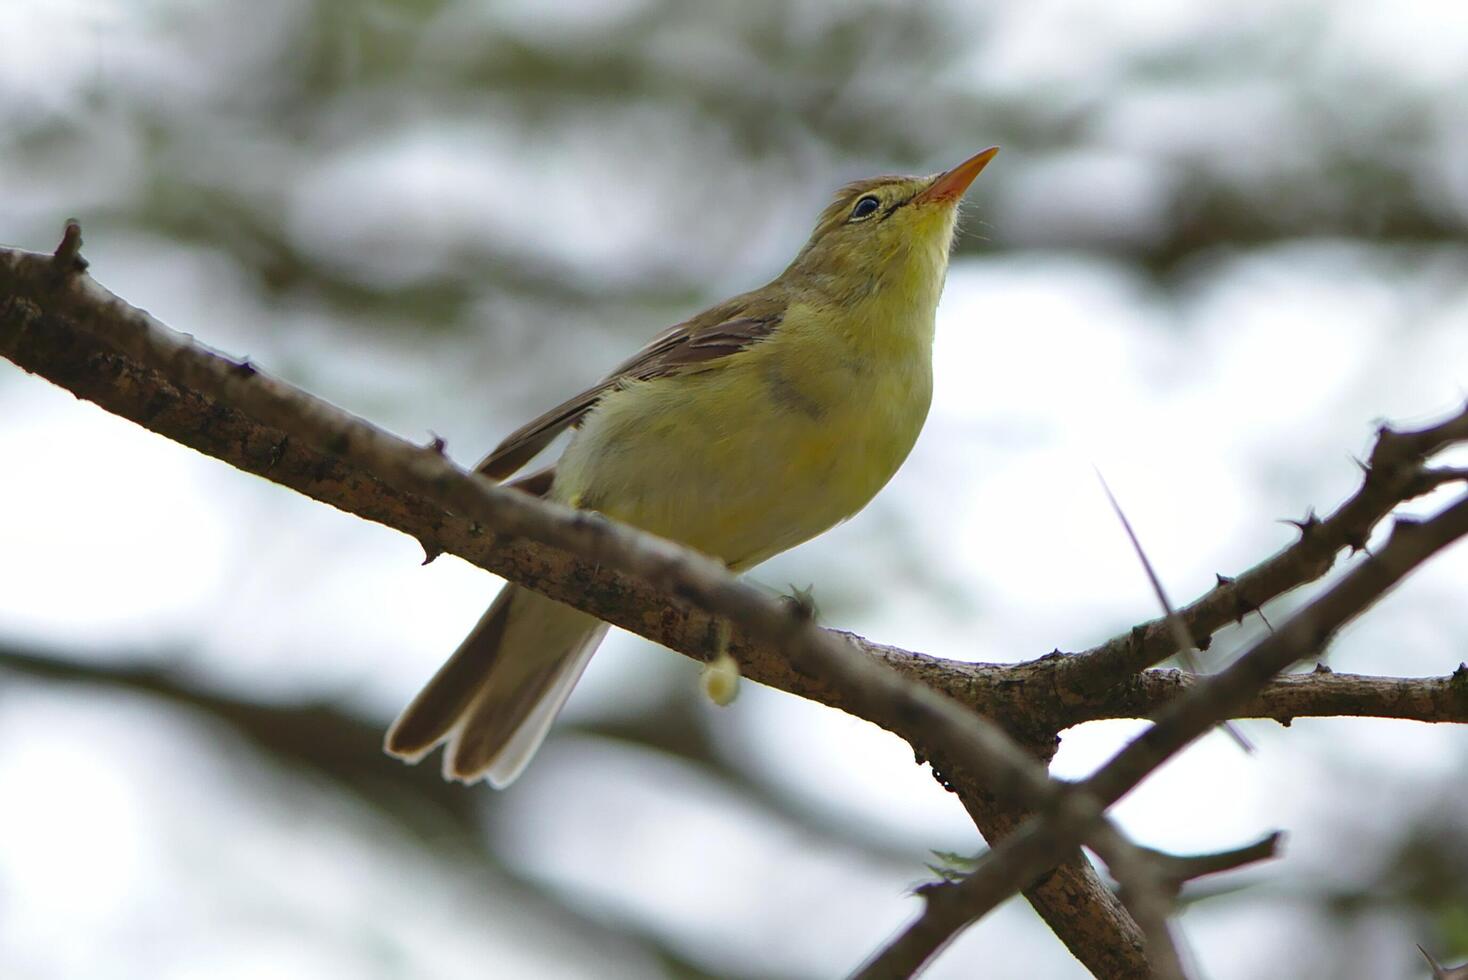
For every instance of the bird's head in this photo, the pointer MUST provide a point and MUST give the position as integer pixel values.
(887, 231)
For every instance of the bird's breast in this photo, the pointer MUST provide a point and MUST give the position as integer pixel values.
(766, 449)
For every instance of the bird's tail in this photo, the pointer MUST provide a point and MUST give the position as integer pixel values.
(496, 697)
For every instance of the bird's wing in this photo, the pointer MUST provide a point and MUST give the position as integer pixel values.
(688, 346)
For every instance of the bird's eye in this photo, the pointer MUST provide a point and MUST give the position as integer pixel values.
(865, 207)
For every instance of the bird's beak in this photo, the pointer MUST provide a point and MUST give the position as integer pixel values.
(951, 185)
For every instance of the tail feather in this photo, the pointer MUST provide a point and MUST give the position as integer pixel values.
(497, 696)
(432, 715)
(504, 729)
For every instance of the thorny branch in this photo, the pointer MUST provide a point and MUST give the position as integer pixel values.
(77, 334)
(1303, 635)
(1392, 474)
(56, 322)
(1177, 724)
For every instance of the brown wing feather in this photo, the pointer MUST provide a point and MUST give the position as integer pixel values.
(715, 333)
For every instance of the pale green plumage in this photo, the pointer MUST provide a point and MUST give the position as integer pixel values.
(743, 432)
(787, 438)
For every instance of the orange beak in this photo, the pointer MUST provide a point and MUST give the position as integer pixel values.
(951, 185)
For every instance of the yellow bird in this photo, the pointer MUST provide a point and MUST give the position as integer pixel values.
(741, 432)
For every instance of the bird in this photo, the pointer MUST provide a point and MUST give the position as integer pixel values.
(741, 432)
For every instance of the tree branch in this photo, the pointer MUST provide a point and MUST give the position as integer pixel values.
(56, 322)
(1185, 718)
(1321, 693)
(1393, 474)
(1077, 814)
(70, 330)
(870, 690)
(1178, 869)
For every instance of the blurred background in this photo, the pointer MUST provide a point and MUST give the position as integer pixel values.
(1219, 242)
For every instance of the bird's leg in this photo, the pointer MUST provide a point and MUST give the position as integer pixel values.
(802, 602)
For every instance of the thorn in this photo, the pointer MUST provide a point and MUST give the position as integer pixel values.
(244, 368)
(1307, 526)
(1223, 579)
(1182, 635)
(1361, 464)
(1356, 540)
(429, 552)
(67, 258)
(1232, 731)
(1243, 607)
(1285, 720)
(437, 443)
(1440, 972)
(1322, 669)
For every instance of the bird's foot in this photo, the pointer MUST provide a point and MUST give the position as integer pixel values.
(802, 602)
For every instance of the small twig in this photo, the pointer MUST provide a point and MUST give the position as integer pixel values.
(1179, 869)
(1150, 880)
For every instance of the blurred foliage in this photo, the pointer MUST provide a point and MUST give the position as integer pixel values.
(712, 119)
(328, 741)
(477, 179)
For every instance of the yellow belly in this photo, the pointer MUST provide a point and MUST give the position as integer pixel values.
(768, 448)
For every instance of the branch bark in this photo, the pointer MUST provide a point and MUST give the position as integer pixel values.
(1318, 694)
